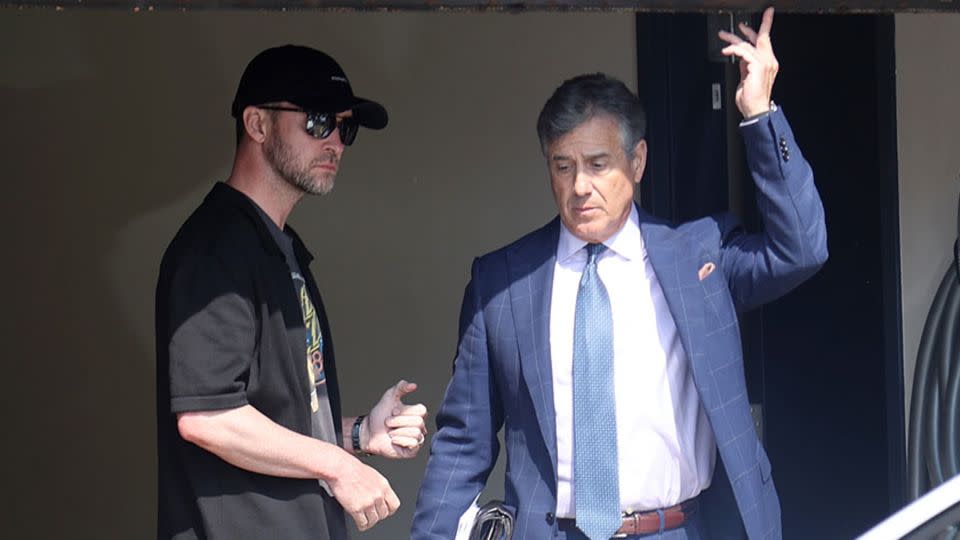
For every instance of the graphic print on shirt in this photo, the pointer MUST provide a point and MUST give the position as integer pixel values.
(314, 342)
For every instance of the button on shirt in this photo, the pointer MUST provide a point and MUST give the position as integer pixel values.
(665, 445)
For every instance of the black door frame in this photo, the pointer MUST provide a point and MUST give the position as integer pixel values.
(661, 77)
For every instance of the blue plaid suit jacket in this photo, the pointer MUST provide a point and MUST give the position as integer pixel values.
(502, 372)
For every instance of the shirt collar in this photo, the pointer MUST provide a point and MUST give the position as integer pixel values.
(627, 242)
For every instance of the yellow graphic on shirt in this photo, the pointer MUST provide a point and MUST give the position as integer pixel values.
(314, 343)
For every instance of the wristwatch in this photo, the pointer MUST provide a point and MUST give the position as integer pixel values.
(355, 435)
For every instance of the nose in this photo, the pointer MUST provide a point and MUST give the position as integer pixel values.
(582, 185)
(334, 143)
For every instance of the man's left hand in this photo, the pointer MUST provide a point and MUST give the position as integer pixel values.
(394, 429)
(758, 65)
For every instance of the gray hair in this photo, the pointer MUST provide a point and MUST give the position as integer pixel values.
(583, 97)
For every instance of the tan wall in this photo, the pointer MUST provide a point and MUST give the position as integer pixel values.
(114, 126)
(116, 123)
(928, 124)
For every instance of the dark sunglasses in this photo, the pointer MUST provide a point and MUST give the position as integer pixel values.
(321, 124)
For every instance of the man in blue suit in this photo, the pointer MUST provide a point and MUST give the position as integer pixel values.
(606, 343)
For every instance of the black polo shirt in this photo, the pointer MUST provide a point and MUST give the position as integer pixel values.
(230, 332)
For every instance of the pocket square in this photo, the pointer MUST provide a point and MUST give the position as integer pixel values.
(706, 270)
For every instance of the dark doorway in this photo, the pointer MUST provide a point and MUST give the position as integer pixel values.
(824, 363)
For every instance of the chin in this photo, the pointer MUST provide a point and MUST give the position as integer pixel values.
(321, 186)
(587, 234)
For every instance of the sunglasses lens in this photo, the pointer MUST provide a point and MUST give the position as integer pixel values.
(348, 130)
(320, 125)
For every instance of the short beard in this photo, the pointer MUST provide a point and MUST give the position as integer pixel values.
(283, 162)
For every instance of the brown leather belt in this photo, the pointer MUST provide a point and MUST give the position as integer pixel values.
(648, 521)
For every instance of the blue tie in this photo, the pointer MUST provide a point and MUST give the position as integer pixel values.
(595, 473)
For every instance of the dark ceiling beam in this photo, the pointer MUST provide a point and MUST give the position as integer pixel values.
(796, 6)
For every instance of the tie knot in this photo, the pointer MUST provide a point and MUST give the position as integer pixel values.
(594, 251)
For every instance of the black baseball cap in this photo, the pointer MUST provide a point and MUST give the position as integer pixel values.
(307, 78)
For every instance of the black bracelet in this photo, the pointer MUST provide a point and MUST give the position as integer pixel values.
(355, 435)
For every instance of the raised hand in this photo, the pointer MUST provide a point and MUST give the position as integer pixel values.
(396, 430)
(758, 65)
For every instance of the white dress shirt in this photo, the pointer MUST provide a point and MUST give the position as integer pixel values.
(666, 449)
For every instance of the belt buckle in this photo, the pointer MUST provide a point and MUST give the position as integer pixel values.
(635, 516)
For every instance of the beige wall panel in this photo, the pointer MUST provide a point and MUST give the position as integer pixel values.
(116, 124)
(928, 84)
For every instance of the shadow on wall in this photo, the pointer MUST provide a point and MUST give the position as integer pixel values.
(88, 151)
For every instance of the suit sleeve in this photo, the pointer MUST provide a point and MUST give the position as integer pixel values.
(793, 245)
(465, 446)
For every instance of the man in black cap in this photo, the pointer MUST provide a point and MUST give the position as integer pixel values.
(251, 441)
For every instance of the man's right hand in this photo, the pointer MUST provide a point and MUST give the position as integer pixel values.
(245, 438)
(364, 493)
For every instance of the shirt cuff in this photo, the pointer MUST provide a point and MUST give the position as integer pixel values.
(757, 117)
(221, 402)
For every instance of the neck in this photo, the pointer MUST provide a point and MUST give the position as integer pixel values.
(257, 180)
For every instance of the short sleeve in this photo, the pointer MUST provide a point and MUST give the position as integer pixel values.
(212, 337)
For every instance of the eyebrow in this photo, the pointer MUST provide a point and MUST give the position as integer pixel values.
(565, 157)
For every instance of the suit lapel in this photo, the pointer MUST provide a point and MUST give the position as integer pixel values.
(674, 257)
(530, 264)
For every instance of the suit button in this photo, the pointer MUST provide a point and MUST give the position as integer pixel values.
(550, 518)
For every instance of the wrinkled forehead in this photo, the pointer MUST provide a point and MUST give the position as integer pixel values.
(594, 116)
(597, 135)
